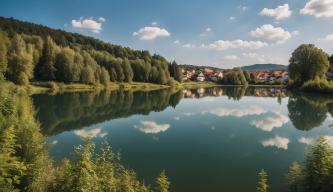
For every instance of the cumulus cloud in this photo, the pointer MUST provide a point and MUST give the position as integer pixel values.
(151, 33)
(231, 58)
(236, 44)
(307, 140)
(296, 32)
(328, 37)
(279, 13)
(176, 42)
(312, 140)
(154, 23)
(318, 8)
(97, 132)
(236, 112)
(271, 33)
(89, 24)
(151, 127)
(269, 123)
(279, 142)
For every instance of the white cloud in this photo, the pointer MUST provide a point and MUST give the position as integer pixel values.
(296, 32)
(176, 42)
(279, 13)
(231, 57)
(318, 8)
(271, 33)
(154, 23)
(236, 44)
(236, 112)
(231, 18)
(307, 140)
(97, 132)
(102, 19)
(150, 33)
(208, 29)
(279, 142)
(177, 118)
(54, 142)
(328, 37)
(312, 140)
(151, 127)
(269, 123)
(188, 45)
(88, 23)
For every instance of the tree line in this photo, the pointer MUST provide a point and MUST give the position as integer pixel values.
(25, 164)
(33, 52)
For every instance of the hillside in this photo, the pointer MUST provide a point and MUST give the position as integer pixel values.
(195, 67)
(264, 67)
(33, 52)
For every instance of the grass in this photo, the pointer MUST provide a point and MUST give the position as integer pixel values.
(194, 84)
(45, 87)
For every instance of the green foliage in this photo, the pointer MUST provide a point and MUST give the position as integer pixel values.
(307, 63)
(319, 166)
(318, 85)
(262, 181)
(20, 62)
(3, 54)
(45, 69)
(176, 72)
(234, 77)
(162, 183)
(295, 178)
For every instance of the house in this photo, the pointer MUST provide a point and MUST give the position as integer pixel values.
(201, 77)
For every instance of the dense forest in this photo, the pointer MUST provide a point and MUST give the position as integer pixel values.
(31, 52)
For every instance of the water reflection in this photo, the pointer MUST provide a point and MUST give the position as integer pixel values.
(74, 111)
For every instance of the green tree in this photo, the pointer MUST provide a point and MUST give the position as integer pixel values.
(105, 77)
(306, 63)
(11, 167)
(263, 181)
(128, 72)
(295, 178)
(3, 54)
(87, 75)
(85, 178)
(65, 66)
(162, 183)
(319, 167)
(234, 77)
(20, 62)
(45, 69)
(176, 72)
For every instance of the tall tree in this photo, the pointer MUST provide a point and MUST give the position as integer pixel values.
(319, 166)
(295, 178)
(128, 72)
(162, 183)
(306, 63)
(20, 62)
(263, 181)
(45, 69)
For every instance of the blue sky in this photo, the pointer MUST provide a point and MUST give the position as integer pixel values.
(221, 33)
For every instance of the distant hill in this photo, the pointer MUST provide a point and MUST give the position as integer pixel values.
(264, 67)
(195, 67)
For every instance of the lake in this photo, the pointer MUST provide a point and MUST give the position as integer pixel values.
(213, 139)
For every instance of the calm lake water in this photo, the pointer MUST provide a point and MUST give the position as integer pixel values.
(214, 139)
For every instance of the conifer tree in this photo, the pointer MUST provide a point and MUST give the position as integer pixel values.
(262, 181)
(295, 178)
(162, 183)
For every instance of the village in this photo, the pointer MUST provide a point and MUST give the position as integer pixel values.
(262, 77)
